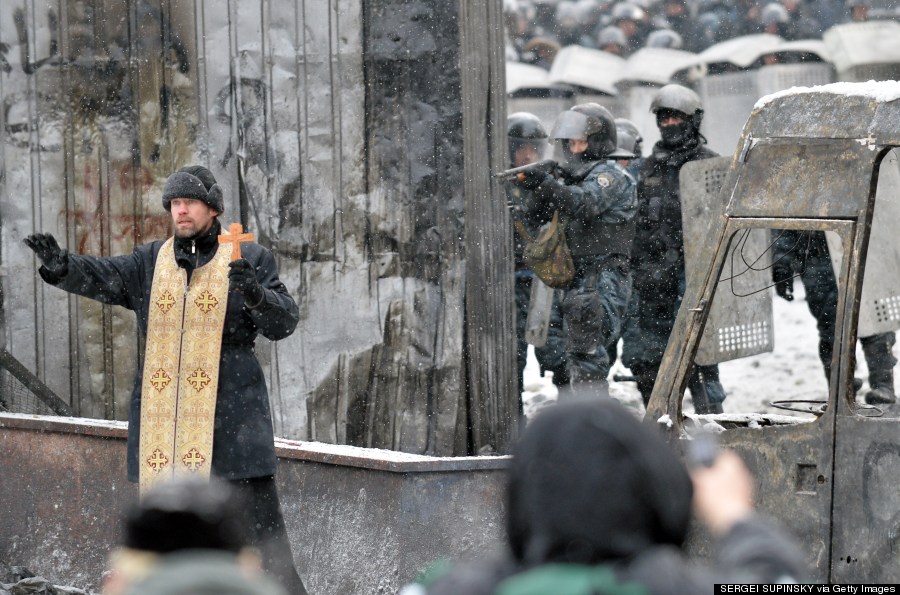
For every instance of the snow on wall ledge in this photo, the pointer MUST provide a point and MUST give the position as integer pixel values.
(318, 452)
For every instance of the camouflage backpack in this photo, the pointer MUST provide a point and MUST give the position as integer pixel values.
(548, 255)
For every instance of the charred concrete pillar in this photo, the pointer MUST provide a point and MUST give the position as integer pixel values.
(445, 375)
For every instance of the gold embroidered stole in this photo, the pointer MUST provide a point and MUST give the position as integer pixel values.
(181, 367)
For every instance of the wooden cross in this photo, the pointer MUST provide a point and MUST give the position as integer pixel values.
(235, 236)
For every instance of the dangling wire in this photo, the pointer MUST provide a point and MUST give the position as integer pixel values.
(739, 248)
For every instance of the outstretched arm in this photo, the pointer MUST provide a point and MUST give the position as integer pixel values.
(108, 280)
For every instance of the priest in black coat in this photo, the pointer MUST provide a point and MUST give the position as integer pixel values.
(243, 449)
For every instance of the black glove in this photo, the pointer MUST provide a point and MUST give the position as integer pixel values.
(531, 179)
(242, 279)
(554, 195)
(783, 277)
(54, 258)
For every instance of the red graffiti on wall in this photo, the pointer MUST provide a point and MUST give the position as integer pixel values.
(98, 231)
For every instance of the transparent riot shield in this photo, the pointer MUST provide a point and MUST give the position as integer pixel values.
(636, 99)
(879, 308)
(865, 51)
(545, 108)
(727, 101)
(740, 322)
(611, 102)
(540, 305)
(528, 89)
(583, 67)
(778, 77)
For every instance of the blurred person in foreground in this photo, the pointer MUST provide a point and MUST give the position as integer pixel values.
(186, 537)
(597, 502)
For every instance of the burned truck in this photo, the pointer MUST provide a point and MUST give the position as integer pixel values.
(827, 463)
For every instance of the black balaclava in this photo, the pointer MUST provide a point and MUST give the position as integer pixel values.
(590, 483)
(677, 135)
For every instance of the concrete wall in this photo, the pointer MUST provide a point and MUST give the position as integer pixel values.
(360, 520)
(354, 139)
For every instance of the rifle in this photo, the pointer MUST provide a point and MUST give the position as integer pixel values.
(547, 166)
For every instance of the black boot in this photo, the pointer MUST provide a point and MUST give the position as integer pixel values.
(706, 390)
(882, 384)
(880, 359)
(645, 375)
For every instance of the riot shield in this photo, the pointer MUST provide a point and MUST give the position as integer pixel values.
(865, 51)
(528, 89)
(778, 77)
(727, 101)
(583, 67)
(879, 308)
(740, 51)
(657, 66)
(635, 100)
(537, 325)
(729, 98)
(740, 321)
(611, 102)
(545, 108)
(520, 77)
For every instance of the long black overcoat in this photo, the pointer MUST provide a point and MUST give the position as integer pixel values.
(243, 439)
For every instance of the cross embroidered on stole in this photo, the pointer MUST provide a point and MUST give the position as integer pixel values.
(181, 367)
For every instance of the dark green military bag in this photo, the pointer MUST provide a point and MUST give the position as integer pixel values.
(548, 255)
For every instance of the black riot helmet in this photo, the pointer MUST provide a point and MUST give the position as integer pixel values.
(630, 138)
(676, 98)
(524, 128)
(591, 122)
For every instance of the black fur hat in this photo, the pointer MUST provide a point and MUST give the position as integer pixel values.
(194, 181)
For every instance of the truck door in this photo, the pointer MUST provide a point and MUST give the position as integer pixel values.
(866, 501)
(779, 412)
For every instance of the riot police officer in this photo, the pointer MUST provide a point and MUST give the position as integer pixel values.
(597, 200)
(528, 142)
(632, 141)
(805, 254)
(658, 253)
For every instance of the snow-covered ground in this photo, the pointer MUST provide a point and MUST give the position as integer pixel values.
(791, 371)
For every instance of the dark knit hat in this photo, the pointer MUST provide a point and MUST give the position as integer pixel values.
(194, 181)
(187, 513)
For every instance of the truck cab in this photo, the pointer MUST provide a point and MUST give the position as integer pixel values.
(826, 463)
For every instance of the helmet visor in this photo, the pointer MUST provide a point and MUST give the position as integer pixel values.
(527, 150)
(570, 124)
